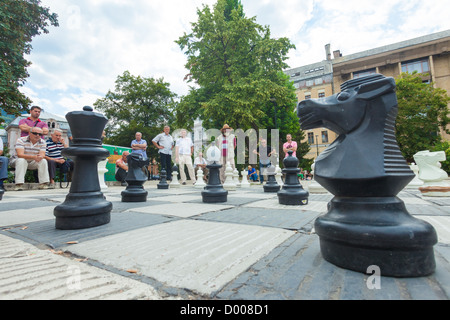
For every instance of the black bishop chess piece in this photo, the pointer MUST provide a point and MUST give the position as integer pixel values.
(271, 184)
(367, 224)
(162, 184)
(85, 206)
(292, 192)
(135, 179)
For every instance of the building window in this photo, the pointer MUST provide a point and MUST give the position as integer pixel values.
(307, 96)
(321, 94)
(324, 136)
(421, 66)
(311, 137)
(365, 73)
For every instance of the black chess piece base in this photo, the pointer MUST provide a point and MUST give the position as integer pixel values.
(163, 185)
(293, 196)
(271, 184)
(360, 232)
(83, 210)
(214, 191)
(134, 193)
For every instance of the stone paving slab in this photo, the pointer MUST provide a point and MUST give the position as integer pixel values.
(30, 273)
(196, 255)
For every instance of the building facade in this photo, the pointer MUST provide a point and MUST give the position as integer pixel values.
(428, 55)
(314, 81)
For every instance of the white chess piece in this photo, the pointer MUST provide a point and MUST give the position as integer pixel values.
(175, 183)
(435, 179)
(229, 183)
(101, 168)
(200, 184)
(278, 175)
(236, 178)
(314, 186)
(416, 182)
(244, 182)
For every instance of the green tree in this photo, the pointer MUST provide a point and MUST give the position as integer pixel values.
(137, 104)
(423, 112)
(236, 66)
(20, 21)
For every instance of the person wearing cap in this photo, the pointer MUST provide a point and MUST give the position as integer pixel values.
(226, 142)
(25, 125)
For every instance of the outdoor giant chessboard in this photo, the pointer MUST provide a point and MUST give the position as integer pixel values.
(249, 247)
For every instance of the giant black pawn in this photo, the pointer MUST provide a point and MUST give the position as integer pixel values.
(85, 205)
(135, 179)
(214, 191)
(292, 192)
(271, 184)
(163, 182)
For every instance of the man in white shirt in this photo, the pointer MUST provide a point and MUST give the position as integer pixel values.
(164, 143)
(183, 155)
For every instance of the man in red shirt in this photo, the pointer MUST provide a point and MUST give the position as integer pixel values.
(25, 125)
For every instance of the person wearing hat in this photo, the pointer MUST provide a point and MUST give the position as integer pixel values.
(226, 142)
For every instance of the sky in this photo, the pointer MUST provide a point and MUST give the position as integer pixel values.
(97, 40)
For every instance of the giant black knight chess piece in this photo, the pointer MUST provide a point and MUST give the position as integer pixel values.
(367, 224)
(85, 205)
(135, 179)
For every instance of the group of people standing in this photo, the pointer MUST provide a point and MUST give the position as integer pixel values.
(182, 150)
(33, 152)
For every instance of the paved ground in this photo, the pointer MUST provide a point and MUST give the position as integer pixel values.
(176, 247)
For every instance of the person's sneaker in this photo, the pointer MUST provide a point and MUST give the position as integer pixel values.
(18, 187)
(52, 186)
(43, 186)
(184, 183)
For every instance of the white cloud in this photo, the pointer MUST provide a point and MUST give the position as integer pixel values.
(97, 40)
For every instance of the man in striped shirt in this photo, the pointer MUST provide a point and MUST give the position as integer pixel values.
(55, 144)
(30, 154)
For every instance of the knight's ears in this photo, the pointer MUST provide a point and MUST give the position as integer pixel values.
(371, 90)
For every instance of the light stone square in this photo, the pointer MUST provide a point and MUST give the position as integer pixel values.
(196, 255)
(184, 210)
(442, 226)
(24, 216)
(318, 206)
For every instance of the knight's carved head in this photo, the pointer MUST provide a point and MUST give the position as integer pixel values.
(343, 112)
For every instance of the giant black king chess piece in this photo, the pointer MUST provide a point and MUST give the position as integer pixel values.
(85, 205)
(367, 224)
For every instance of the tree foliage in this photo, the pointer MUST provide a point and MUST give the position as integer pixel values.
(20, 21)
(423, 112)
(237, 69)
(138, 104)
(237, 66)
